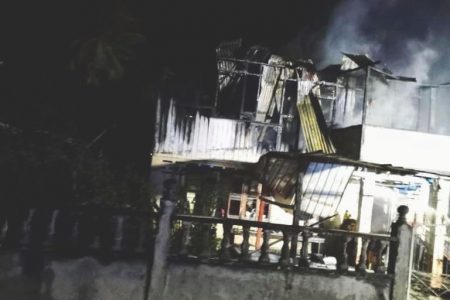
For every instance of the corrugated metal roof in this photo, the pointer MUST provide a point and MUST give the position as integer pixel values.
(281, 176)
(326, 176)
(296, 159)
(323, 184)
(360, 59)
(323, 187)
(313, 126)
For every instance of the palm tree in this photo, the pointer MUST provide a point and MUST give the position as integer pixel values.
(105, 55)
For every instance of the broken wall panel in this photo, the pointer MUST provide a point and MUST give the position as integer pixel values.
(269, 82)
(200, 137)
(226, 67)
(348, 108)
(239, 79)
(327, 99)
(280, 177)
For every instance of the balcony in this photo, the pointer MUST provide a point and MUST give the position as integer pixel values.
(196, 136)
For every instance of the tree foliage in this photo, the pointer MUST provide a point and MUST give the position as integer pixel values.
(104, 57)
(41, 169)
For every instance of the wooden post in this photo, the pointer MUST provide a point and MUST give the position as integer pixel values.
(296, 217)
(280, 122)
(216, 98)
(244, 91)
(260, 213)
(437, 237)
(243, 204)
(157, 127)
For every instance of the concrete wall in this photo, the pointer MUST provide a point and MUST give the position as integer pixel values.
(198, 282)
(409, 149)
(75, 279)
(85, 279)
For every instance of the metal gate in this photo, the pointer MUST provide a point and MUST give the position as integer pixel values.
(430, 278)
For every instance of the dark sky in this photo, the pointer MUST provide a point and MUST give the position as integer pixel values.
(40, 40)
(39, 35)
(53, 78)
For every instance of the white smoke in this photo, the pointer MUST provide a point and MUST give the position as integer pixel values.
(393, 104)
(344, 33)
(420, 57)
(408, 36)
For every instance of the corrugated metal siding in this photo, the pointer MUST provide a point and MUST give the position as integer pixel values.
(313, 127)
(323, 187)
(323, 184)
(269, 81)
(281, 176)
(201, 137)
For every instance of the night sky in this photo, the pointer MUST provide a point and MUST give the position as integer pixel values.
(47, 53)
(91, 70)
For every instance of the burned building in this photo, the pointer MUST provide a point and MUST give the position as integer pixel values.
(296, 145)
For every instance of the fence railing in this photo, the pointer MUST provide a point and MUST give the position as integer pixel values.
(91, 230)
(290, 255)
(83, 230)
(120, 233)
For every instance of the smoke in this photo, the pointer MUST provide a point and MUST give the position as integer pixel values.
(408, 36)
(420, 60)
(345, 33)
(393, 104)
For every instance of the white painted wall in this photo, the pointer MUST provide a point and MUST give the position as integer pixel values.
(403, 148)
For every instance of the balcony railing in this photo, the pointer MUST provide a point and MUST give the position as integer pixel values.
(290, 255)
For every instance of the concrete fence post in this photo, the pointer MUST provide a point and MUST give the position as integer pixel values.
(399, 255)
(162, 240)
